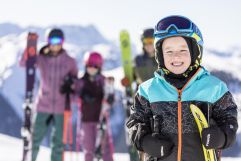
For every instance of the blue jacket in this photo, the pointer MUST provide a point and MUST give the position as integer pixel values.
(156, 98)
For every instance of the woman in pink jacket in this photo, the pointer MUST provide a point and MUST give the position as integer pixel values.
(54, 64)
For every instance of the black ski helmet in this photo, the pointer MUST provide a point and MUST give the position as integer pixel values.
(56, 32)
(147, 33)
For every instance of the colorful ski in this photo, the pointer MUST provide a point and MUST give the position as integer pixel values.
(201, 122)
(30, 56)
(126, 57)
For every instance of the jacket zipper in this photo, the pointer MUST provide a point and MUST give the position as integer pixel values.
(179, 152)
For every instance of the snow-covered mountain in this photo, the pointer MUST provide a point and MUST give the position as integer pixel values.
(74, 34)
(224, 64)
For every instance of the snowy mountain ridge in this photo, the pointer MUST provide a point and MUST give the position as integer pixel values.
(74, 34)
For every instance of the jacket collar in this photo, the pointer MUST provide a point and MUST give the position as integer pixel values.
(159, 74)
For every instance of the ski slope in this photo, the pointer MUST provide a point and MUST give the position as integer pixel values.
(11, 150)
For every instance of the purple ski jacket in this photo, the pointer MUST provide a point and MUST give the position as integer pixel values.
(52, 69)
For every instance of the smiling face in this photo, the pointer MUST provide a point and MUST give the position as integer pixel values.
(176, 54)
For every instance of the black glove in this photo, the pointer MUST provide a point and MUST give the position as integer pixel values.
(213, 137)
(156, 146)
(66, 85)
(110, 99)
(137, 131)
(230, 134)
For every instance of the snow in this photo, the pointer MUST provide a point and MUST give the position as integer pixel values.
(12, 44)
(11, 150)
(228, 61)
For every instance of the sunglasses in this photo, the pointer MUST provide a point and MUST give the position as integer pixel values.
(55, 41)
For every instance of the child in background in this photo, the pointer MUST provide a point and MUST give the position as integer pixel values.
(90, 89)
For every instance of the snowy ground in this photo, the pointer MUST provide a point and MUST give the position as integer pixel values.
(11, 150)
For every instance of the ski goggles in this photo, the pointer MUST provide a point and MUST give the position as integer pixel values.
(177, 26)
(55, 41)
(148, 40)
(180, 24)
(92, 66)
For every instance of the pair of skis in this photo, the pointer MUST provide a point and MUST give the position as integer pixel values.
(104, 135)
(30, 56)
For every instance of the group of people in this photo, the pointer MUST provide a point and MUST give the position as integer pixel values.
(55, 65)
(170, 78)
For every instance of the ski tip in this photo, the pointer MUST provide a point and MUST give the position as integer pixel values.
(32, 35)
(194, 108)
(124, 33)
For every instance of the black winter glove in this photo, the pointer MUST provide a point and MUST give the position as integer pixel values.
(230, 134)
(213, 137)
(157, 147)
(137, 135)
(66, 85)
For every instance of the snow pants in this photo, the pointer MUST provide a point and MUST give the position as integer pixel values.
(40, 128)
(89, 139)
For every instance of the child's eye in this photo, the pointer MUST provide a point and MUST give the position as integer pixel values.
(183, 51)
(168, 52)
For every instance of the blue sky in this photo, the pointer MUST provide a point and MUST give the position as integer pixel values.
(219, 20)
